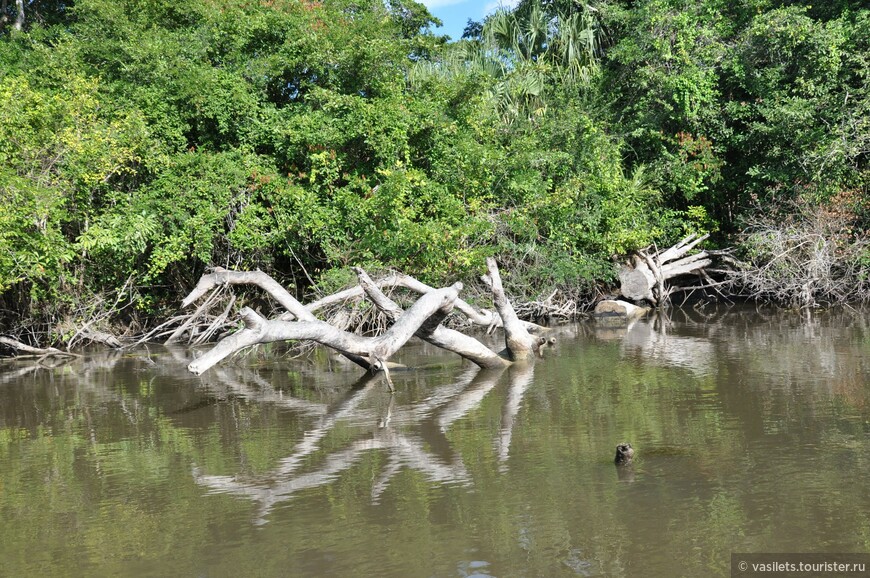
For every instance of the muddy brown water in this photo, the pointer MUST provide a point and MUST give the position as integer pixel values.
(752, 431)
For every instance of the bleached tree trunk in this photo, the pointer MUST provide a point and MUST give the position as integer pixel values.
(646, 277)
(481, 317)
(29, 350)
(440, 336)
(519, 343)
(422, 319)
(377, 350)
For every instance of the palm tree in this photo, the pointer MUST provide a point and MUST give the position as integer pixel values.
(524, 51)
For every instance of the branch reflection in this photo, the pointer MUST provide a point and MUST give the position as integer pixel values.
(410, 436)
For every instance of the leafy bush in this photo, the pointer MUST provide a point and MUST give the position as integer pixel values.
(141, 143)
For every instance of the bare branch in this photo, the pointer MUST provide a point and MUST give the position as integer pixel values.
(681, 248)
(685, 266)
(222, 276)
(176, 335)
(481, 317)
(440, 336)
(378, 350)
(43, 351)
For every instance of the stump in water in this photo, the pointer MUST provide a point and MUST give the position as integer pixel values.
(646, 277)
(423, 319)
(623, 461)
(624, 454)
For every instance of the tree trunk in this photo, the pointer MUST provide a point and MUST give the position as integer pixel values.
(481, 317)
(29, 350)
(19, 18)
(520, 344)
(376, 349)
(646, 277)
(440, 336)
(422, 319)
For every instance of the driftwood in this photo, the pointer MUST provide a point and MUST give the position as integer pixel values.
(27, 350)
(295, 310)
(648, 274)
(440, 336)
(423, 319)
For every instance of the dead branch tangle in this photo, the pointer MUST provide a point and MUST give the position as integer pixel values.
(423, 319)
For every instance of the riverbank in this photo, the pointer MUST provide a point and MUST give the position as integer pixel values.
(147, 147)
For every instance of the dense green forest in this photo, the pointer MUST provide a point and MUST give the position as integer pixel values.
(143, 141)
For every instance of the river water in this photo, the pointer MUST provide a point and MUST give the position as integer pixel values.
(751, 431)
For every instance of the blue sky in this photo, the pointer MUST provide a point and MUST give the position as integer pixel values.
(455, 13)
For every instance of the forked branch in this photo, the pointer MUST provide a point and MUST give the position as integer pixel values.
(423, 319)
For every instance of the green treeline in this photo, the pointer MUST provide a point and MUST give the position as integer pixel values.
(142, 141)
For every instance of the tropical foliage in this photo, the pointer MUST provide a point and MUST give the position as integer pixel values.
(141, 143)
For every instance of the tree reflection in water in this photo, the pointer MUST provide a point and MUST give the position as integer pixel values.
(405, 434)
(751, 430)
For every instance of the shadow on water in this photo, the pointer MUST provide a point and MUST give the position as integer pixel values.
(751, 431)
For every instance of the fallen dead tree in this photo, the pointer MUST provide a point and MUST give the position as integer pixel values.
(347, 310)
(24, 350)
(650, 273)
(422, 319)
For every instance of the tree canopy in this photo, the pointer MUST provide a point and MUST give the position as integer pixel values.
(143, 142)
